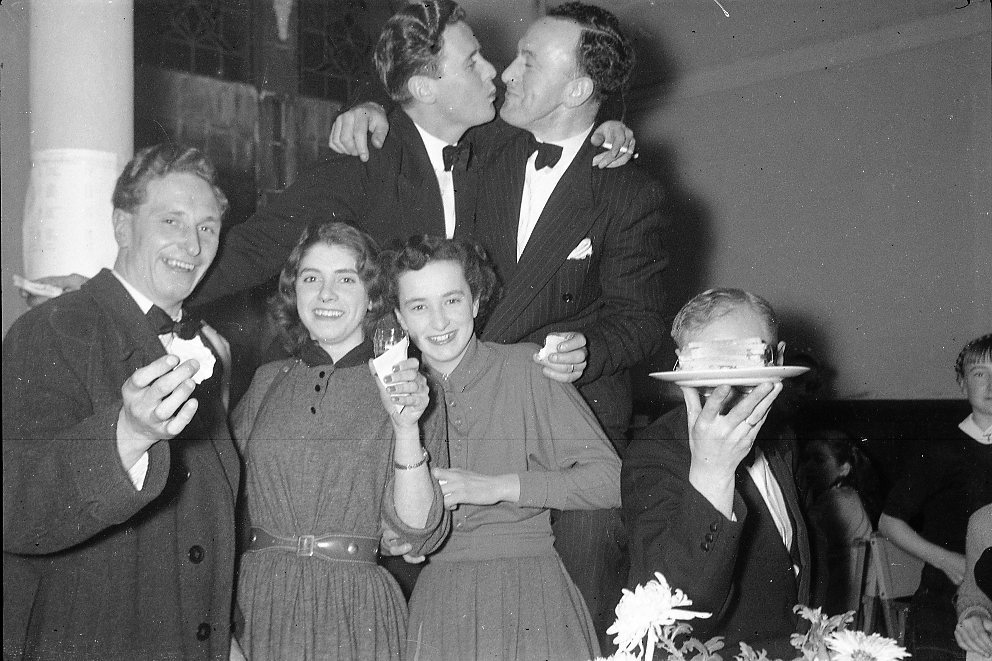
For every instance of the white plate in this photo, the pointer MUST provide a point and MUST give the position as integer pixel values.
(732, 377)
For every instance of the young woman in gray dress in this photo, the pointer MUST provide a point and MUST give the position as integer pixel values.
(328, 460)
(520, 444)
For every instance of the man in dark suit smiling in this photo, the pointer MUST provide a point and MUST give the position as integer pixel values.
(119, 474)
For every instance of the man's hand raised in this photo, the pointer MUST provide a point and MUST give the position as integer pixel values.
(157, 406)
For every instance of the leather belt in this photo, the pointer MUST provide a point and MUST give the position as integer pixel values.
(342, 548)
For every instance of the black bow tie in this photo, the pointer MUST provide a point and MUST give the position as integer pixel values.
(548, 154)
(185, 329)
(456, 156)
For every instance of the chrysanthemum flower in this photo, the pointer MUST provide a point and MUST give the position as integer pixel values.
(859, 646)
(645, 612)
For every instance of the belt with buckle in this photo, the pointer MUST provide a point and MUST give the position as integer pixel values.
(343, 548)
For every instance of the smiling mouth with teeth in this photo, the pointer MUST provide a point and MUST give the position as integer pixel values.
(182, 266)
(442, 339)
(328, 313)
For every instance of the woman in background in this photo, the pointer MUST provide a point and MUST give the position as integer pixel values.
(839, 478)
(328, 457)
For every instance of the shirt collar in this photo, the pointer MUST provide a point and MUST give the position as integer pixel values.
(971, 428)
(435, 147)
(143, 301)
(570, 146)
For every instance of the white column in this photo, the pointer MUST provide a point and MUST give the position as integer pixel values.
(82, 131)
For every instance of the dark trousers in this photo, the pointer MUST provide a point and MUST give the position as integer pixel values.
(593, 547)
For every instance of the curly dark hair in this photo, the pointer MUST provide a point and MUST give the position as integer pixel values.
(156, 161)
(410, 44)
(419, 251)
(977, 351)
(604, 53)
(282, 305)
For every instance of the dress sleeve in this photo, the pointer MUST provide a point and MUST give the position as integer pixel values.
(246, 412)
(571, 464)
(428, 539)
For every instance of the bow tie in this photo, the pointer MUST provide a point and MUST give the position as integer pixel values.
(548, 154)
(456, 156)
(185, 329)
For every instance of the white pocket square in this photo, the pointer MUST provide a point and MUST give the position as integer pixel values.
(583, 250)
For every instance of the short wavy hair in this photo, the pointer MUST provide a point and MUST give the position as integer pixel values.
(410, 44)
(715, 303)
(282, 306)
(603, 53)
(131, 189)
(978, 350)
(419, 251)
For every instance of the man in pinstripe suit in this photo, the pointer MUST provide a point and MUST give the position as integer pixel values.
(578, 249)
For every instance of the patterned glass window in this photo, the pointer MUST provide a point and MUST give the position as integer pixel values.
(204, 37)
(336, 40)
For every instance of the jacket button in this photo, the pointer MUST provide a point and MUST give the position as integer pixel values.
(714, 526)
(710, 537)
(352, 548)
(203, 631)
(568, 298)
(705, 546)
(196, 554)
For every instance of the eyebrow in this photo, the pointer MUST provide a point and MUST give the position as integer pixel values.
(418, 299)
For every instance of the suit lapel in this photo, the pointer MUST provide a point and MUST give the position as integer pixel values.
(117, 304)
(417, 183)
(563, 223)
(141, 345)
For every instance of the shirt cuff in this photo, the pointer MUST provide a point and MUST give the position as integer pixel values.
(138, 471)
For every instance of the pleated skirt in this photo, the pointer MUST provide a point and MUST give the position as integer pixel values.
(310, 609)
(524, 608)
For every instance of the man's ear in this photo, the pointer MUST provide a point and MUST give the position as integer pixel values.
(421, 88)
(578, 91)
(475, 307)
(123, 230)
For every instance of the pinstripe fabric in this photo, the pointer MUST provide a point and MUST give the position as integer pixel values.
(614, 297)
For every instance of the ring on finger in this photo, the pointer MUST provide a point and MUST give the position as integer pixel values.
(571, 368)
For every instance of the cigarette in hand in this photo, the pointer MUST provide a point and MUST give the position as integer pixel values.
(623, 150)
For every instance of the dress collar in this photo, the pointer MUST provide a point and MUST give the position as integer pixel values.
(314, 355)
(473, 364)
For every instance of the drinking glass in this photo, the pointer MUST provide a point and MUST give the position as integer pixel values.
(384, 338)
